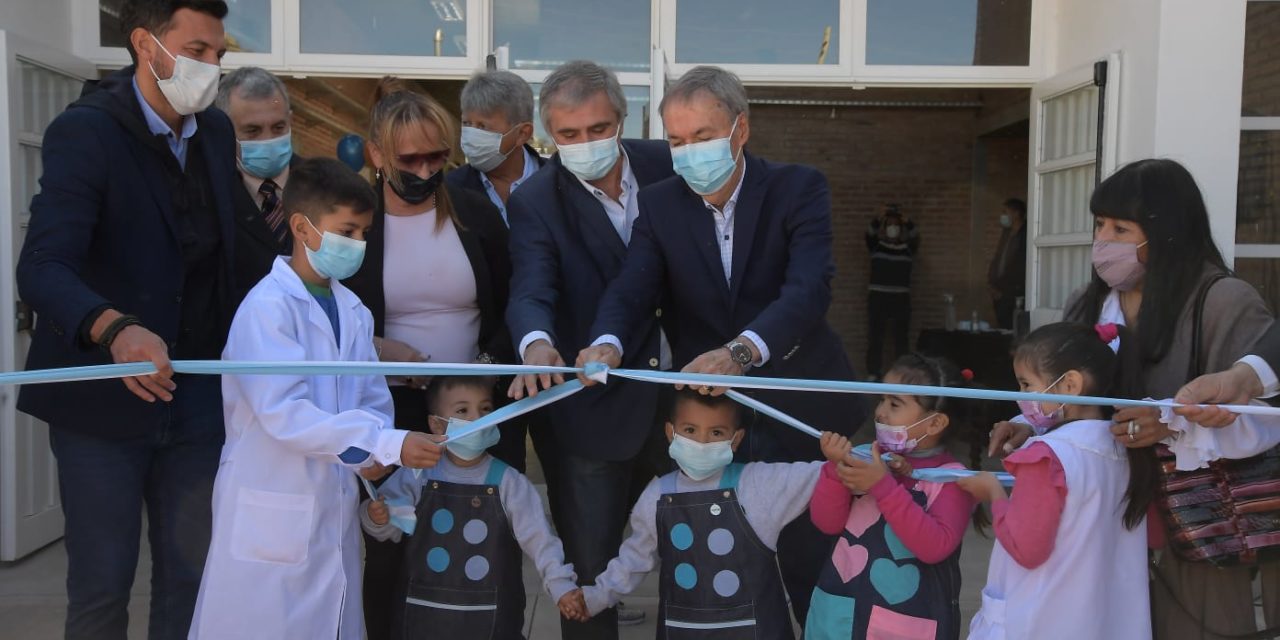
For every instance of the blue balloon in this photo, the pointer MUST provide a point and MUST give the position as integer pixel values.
(351, 151)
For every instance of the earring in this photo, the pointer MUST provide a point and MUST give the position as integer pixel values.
(378, 175)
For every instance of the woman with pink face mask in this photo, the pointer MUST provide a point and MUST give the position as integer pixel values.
(1154, 258)
(894, 570)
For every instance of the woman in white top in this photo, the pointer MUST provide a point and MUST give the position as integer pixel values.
(435, 276)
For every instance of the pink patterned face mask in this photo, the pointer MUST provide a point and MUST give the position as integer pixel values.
(1117, 264)
(897, 439)
(1041, 422)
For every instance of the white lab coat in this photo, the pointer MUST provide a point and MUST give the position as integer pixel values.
(284, 559)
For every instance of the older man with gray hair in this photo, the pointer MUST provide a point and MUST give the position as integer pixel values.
(570, 225)
(258, 105)
(742, 248)
(497, 124)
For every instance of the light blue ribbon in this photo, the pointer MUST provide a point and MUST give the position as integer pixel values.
(863, 452)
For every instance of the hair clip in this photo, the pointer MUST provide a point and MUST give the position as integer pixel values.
(967, 374)
(1107, 332)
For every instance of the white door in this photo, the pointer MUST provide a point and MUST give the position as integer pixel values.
(1070, 150)
(657, 89)
(36, 84)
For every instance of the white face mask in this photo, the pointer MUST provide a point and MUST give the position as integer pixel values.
(193, 85)
(484, 148)
(700, 460)
(591, 160)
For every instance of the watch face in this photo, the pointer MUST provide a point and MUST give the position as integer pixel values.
(740, 353)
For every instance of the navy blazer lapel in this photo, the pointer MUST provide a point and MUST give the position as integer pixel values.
(221, 172)
(746, 217)
(702, 229)
(588, 215)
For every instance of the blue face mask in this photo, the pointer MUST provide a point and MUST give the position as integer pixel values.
(471, 446)
(266, 158)
(706, 166)
(404, 514)
(338, 257)
(591, 160)
(700, 460)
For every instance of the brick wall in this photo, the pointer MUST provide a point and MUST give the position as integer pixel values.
(922, 158)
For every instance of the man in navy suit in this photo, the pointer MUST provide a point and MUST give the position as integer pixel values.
(258, 105)
(129, 259)
(740, 250)
(570, 225)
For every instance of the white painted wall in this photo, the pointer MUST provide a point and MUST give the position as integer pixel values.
(1180, 92)
(45, 21)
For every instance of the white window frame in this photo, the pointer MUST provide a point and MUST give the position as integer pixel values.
(86, 44)
(951, 75)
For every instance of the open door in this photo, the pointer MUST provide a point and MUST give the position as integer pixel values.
(36, 84)
(1073, 146)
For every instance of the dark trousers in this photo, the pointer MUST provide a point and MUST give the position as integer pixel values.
(384, 560)
(1004, 309)
(802, 548)
(596, 501)
(886, 311)
(104, 485)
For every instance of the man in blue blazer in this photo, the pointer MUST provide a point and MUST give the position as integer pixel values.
(570, 225)
(740, 250)
(129, 258)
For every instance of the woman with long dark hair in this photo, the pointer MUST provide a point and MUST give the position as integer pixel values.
(1154, 258)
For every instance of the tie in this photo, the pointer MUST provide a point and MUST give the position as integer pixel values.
(272, 212)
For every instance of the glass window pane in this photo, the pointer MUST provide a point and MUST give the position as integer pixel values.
(1063, 270)
(542, 34)
(248, 25)
(1264, 275)
(1070, 124)
(758, 32)
(1258, 189)
(1261, 65)
(1065, 200)
(635, 126)
(949, 32)
(385, 27)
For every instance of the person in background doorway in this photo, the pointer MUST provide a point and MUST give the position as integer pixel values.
(258, 105)
(128, 258)
(892, 241)
(1007, 275)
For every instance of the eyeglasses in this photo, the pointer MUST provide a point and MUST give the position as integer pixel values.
(416, 159)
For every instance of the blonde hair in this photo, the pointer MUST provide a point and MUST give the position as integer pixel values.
(395, 114)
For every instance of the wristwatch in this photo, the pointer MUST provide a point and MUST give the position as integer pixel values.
(740, 353)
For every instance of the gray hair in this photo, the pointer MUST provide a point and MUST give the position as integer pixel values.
(251, 83)
(723, 86)
(501, 92)
(573, 83)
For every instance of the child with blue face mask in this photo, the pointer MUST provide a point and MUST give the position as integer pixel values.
(468, 519)
(282, 499)
(894, 570)
(711, 528)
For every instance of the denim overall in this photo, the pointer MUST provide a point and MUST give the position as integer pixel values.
(462, 564)
(718, 580)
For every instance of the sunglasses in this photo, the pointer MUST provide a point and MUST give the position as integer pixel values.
(415, 159)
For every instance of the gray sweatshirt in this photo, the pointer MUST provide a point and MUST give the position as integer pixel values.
(771, 495)
(520, 502)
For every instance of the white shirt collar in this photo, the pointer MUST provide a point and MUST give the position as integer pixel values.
(628, 177)
(530, 168)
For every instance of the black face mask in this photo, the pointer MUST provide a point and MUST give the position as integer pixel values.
(417, 190)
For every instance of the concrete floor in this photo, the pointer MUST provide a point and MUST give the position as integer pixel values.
(33, 595)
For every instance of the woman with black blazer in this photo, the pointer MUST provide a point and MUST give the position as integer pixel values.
(435, 277)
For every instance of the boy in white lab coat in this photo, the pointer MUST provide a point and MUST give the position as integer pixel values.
(284, 559)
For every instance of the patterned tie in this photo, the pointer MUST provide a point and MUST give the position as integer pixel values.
(272, 211)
